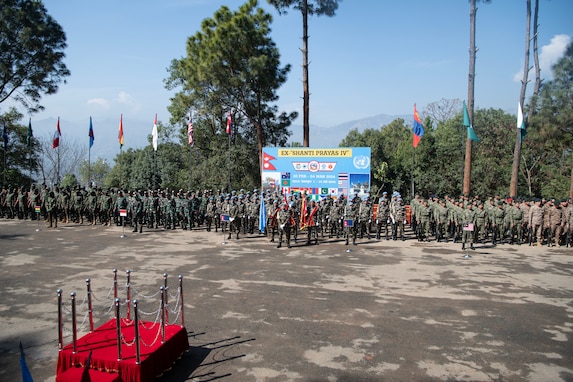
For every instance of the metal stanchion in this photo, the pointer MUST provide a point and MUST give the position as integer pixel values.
(118, 327)
(60, 322)
(90, 311)
(162, 289)
(181, 301)
(136, 339)
(166, 299)
(128, 285)
(114, 283)
(74, 328)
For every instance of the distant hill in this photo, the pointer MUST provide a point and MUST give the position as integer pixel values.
(332, 136)
(136, 132)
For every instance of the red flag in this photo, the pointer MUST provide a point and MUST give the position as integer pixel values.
(267, 165)
(229, 124)
(120, 136)
(57, 135)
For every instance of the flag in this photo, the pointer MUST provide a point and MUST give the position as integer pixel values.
(303, 212)
(86, 372)
(229, 124)
(91, 133)
(29, 137)
(267, 165)
(57, 135)
(26, 375)
(262, 215)
(418, 128)
(472, 136)
(120, 136)
(154, 135)
(5, 137)
(190, 132)
(520, 121)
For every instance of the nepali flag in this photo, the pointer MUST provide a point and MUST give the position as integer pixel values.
(418, 128)
(267, 165)
(57, 135)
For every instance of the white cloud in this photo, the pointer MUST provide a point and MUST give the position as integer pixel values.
(552, 52)
(127, 102)
(548, 56)
(99, 102)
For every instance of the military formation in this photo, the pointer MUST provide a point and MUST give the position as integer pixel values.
(298, 218)
(495, 220)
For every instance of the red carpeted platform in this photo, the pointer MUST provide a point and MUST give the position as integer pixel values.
(156, 357)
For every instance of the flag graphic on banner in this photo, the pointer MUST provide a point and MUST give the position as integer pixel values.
(120, 135)
(190, 132)
(267, 165)
(229, 124)
(418, 128)
(472, 136)
(154, 136)
(91, 134)
(521, 121)
(57, 135)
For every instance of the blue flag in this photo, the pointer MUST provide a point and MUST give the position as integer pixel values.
(262, 216)
(26, 376)
(91, 134)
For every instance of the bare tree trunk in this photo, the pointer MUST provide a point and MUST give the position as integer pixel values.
(537, 86)
(471, 84)
(305, 91)
(517, 150)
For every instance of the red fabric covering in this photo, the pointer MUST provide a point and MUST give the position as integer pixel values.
(156, 357)
(75, 375)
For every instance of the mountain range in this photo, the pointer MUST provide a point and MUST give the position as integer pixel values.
(332, 136)
(136, 132)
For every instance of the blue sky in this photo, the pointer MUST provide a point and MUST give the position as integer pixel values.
(373, 57)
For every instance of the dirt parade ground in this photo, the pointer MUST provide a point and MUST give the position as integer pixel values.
(377, 311)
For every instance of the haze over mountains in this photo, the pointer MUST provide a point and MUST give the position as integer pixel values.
(332, 136)
(137, 132)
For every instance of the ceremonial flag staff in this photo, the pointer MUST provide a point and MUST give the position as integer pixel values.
(154, 141)
(29, 141)
(56, 145)
(418, 130)
(191, 141)
(92, 138)
(120, 139)
(5, 139)
(229, 131)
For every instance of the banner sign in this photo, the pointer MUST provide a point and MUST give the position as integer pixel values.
(317, 171)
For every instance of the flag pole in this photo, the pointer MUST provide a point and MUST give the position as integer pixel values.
(190, 149)
(5, 140)
(229, 164)
(412, 177)
(89, 165)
